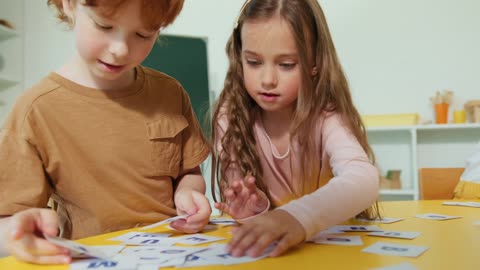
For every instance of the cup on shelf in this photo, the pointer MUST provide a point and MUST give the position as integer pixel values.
(459, 116)
(441, 113)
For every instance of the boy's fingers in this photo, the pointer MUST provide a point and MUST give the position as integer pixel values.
(37, 250)
(32, 220)
(48, 222)
(178, 224)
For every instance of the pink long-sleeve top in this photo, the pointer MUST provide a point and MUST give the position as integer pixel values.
(347, 185)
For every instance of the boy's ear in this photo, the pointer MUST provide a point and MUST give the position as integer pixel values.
(68, 8)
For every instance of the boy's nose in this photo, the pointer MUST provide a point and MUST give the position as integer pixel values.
(119, 48)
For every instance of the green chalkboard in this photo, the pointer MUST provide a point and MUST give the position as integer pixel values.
(185, 59)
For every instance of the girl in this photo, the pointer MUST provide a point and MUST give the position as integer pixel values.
(115, 144)
(287, 134)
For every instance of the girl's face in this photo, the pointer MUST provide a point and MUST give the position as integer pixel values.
(270, 61)
(109, 48)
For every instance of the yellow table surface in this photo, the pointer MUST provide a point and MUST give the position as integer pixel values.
(453, 244)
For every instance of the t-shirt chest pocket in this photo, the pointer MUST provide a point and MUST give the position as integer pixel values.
(165, 135)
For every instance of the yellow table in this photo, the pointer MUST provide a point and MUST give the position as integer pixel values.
(453, 244)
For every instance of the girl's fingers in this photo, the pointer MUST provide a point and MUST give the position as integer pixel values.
(221, 206)
(245, 243)
(250, 185)
(283, 245)
(237, 187)
(261, 244)
(238, 234)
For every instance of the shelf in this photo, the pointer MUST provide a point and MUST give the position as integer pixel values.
(6, 33)
(449, 126)
(6, 81)
(397, 192)
(425, 127)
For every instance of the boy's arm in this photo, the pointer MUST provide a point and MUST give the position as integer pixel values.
(190, 200)
(191, 180)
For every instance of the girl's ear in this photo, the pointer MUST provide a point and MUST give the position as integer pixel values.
(68, 8)
(314, 71)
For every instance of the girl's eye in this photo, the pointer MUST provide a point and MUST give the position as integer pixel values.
(252, 62)
(288, 65)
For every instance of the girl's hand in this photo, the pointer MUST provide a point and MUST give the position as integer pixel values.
(24, 239)
(196, 206)
(244, 199)
(254, 236)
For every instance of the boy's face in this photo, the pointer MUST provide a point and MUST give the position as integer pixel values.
(111, 47)
(270, 61)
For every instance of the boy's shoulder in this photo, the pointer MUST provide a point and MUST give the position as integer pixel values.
(39, 90)
(29, 98)
(161, 79)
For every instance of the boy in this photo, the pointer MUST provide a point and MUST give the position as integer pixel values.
(114, 144)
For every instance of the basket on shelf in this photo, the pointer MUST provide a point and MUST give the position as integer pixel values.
(391, 180)
(473, 111)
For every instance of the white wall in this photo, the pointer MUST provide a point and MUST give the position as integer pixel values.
(11, 54)
(396, 54)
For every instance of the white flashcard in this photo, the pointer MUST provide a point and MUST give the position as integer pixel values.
(383, 220)
(196, 239)
(436, 216)
(225, 221)
(217, 253)
(341, 240)
(402, 266)
(467, 204)
(160, 253)
(109, 251)
(396, 234)
(357, 228)
(193, 260)
(122, 264)
(133, 235)
(165, 242)
(384, 248)
(166, 221)
(77, 248)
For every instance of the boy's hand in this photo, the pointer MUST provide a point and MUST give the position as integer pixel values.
(244, 199)
(254, 236)
(196, 206)
(23, 237)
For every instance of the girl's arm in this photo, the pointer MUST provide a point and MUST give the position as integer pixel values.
(243, 199)
(353, 188)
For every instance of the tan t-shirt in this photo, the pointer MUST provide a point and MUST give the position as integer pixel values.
(111, 158)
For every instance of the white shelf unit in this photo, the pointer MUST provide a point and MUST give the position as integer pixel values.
(409, 148)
